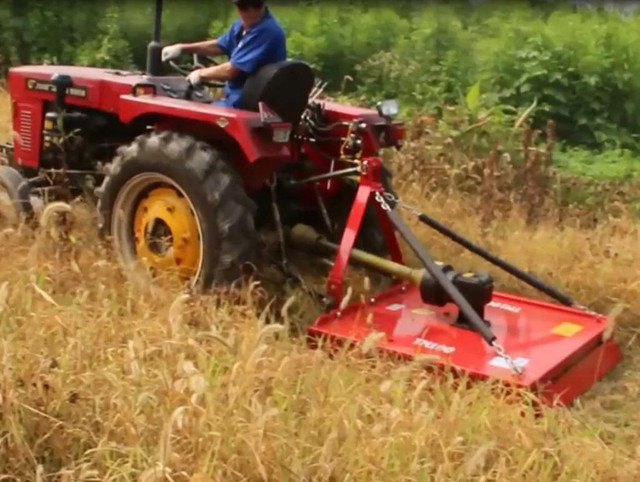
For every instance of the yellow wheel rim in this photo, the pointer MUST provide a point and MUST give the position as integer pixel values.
(166, 232)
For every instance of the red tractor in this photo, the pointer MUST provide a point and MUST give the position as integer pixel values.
(186, 185)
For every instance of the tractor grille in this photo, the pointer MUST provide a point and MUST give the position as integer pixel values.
(25, 122)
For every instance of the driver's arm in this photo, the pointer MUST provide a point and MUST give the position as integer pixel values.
(246, 58)
(211, 48)
(208, 47)
(218, 73)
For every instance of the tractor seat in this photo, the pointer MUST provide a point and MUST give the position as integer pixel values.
(283, 86)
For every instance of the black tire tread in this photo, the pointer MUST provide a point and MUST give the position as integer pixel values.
(222, 186)
(18, 190)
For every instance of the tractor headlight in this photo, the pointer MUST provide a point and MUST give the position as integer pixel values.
(388, 108)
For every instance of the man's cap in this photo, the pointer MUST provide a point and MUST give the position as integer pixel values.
(248, 3)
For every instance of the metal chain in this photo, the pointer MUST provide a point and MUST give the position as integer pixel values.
(505, 356)
(287, 268)
(276, 214)
(391, 198)
(382, 200)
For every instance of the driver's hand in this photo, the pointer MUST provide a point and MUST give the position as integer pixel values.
(171, 52)
(194, 78)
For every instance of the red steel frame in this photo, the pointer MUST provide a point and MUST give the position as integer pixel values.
(370, 185)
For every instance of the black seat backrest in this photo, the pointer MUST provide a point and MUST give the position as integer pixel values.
(283, 86)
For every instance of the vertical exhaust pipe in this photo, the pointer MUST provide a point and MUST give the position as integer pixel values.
(154, 49)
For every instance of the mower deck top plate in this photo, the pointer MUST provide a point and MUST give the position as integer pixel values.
(557, 346)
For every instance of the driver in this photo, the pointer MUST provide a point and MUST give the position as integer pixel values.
(255, 39)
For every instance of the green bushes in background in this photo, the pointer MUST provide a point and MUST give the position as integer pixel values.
(108, 48)
(584, 70)
(581, 68)
(430, 63)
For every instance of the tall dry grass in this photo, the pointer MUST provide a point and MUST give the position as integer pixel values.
(103, 380)
(5, 120)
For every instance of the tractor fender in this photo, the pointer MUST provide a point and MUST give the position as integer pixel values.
(240, 133)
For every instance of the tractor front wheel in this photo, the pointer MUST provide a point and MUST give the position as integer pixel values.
(15, 198)
(174, 203)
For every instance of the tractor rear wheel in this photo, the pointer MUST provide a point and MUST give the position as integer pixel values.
(174, 203)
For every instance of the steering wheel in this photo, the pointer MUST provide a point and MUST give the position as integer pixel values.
(197, 64)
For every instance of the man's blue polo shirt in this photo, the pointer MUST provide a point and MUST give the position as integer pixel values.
(264, 43)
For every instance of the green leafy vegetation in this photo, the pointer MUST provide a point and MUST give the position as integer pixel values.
(108, 48)
(577, 67)
(619, 163)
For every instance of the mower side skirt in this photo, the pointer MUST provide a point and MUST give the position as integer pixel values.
(584, 374)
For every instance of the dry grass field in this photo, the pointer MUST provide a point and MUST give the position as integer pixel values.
(5, 109)
(101, 380)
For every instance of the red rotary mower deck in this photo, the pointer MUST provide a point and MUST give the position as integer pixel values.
(557, 351)
(561, 349)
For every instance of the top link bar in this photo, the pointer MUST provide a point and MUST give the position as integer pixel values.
(504, 265)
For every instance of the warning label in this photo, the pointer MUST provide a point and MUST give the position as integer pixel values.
(567, 329)
(500, 362)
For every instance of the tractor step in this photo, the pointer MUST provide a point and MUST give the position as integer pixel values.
(562, 350)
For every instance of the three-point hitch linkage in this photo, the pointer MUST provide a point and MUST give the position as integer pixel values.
(558, 351)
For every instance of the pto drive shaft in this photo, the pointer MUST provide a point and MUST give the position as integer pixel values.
(477, 289)
(306, 238)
